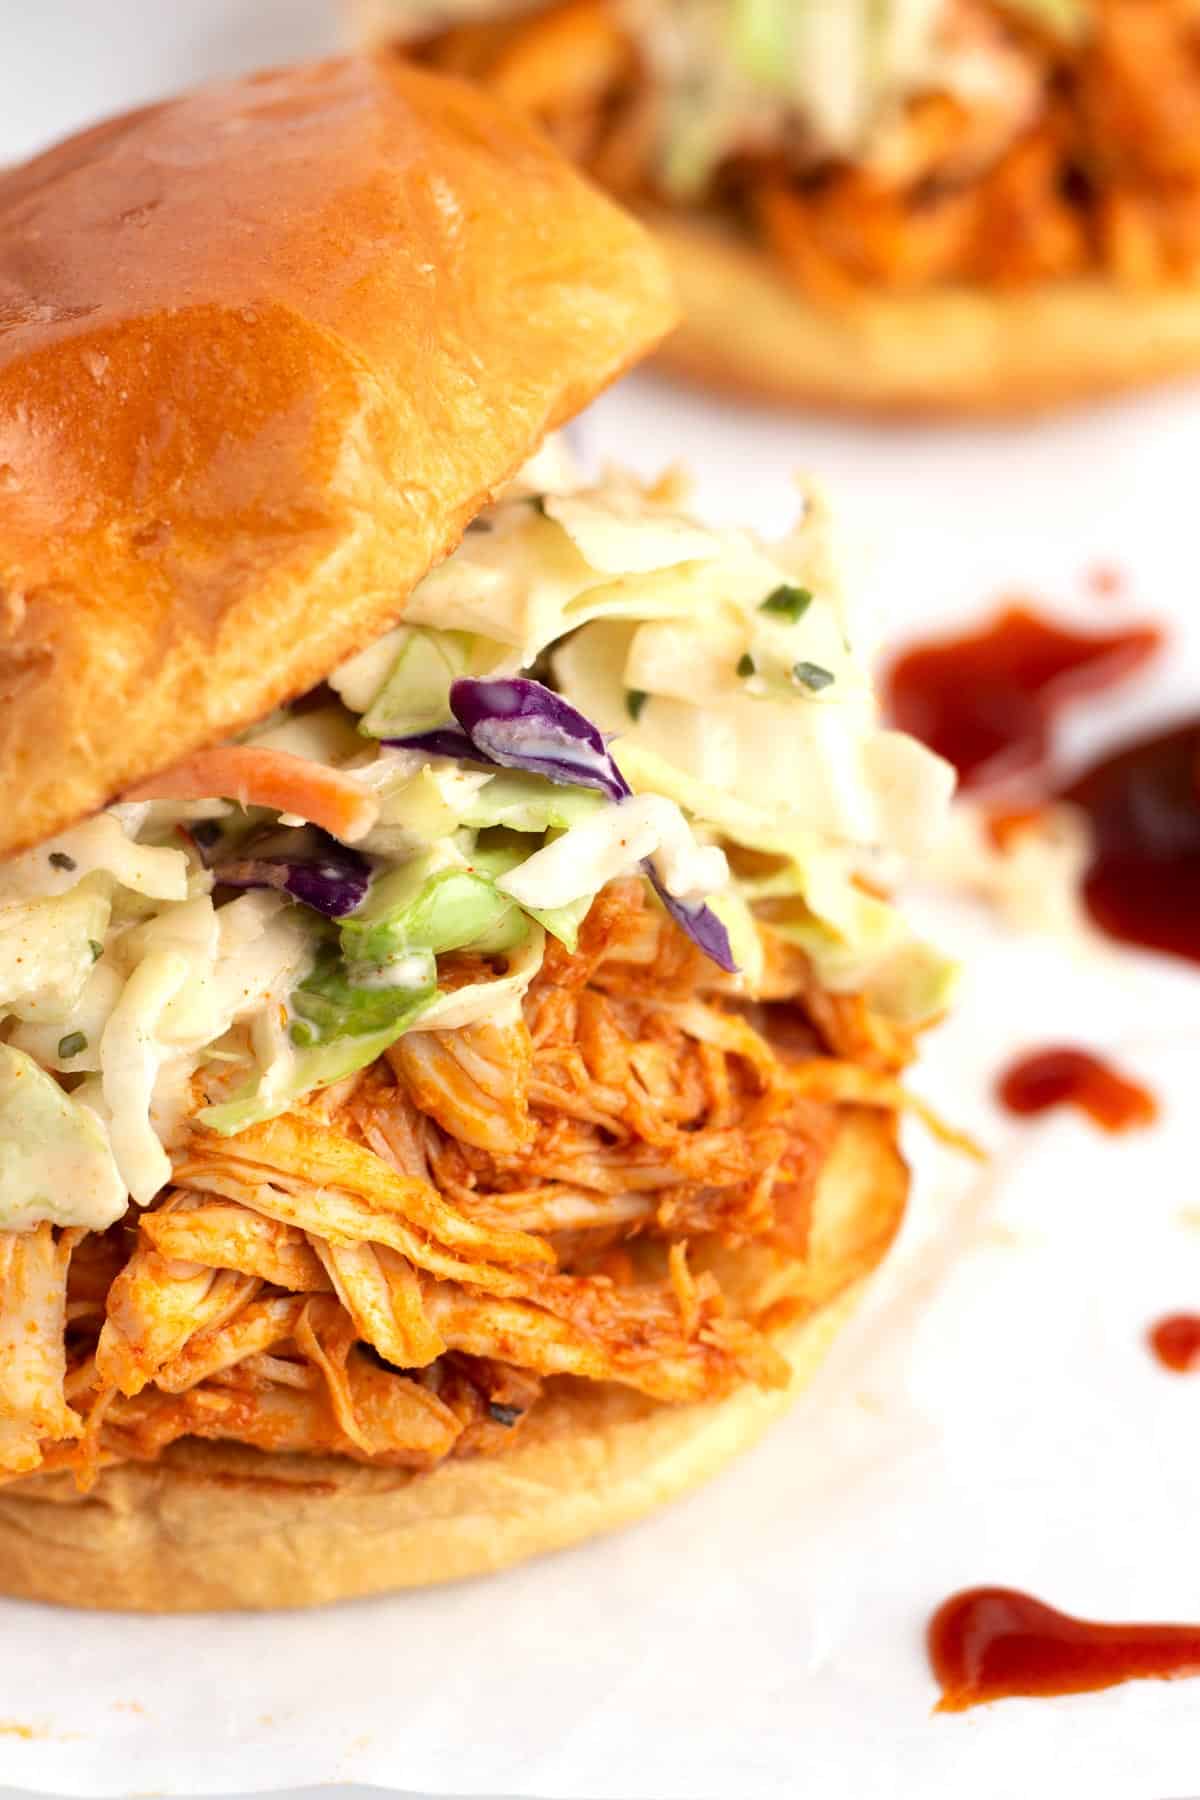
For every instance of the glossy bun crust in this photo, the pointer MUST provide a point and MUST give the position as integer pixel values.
(214, 1526)
(959, 351)
(264, 351)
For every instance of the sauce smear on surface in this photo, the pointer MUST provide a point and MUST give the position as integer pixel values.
(1175, 1341)
(1143, 806)
(986, 701)
(1066, 1077)
(1106, 581)
(992, 1643)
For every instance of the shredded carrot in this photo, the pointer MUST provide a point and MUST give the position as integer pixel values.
(271, 778)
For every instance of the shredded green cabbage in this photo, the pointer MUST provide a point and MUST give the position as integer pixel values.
(732, 678)
(46, 952)
(55, 1160)
(303, 1073)
(429, 905)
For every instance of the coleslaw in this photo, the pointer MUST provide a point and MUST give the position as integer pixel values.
(593, 685)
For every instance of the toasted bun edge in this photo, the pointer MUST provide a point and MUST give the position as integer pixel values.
(961, 351)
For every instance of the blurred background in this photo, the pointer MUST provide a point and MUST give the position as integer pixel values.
(67, 63)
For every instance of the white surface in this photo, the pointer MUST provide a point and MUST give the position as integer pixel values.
(68, 62)
(993, 1417)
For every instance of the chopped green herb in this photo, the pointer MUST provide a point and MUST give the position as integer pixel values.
(60, 860)
(504, 1415)
(791, 602)
(96, 949)
(635, 699)
(73, 1044)
(812, 676)
(304, 1035)
(747, 666)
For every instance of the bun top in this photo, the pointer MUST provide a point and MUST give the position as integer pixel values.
(264, 352)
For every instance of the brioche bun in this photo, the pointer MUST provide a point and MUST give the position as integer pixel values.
(264, 352)
(965, 350)
(215, 1526)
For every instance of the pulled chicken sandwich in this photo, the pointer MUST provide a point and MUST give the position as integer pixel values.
(449, 1017)
(912, 205)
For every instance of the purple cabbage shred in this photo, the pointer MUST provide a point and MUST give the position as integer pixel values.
(517, 723)
(332, 879)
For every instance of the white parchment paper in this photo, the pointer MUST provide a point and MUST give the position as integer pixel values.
(991, 1416)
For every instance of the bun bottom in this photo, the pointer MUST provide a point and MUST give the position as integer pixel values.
(954, 351)
(215, 1526)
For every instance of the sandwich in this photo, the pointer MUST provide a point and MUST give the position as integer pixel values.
(909, 206)
(450, 1016)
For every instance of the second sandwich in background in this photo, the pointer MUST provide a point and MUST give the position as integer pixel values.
(889, 205)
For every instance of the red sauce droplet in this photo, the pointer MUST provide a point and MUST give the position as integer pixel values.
(1065, 1077)
(1175, 1341)
(986, 701)
(992, 1643)
(1143, 805)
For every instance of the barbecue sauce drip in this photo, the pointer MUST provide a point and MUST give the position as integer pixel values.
(1066, 1077)
(1143, 806)
(986, 701)
(1175, 1341)
(995, 1643)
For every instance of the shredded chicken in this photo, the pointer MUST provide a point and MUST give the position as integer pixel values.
(393, 1271)
(33, 1298)
(1101, 173)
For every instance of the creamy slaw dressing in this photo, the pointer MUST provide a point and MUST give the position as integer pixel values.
(135, 993)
